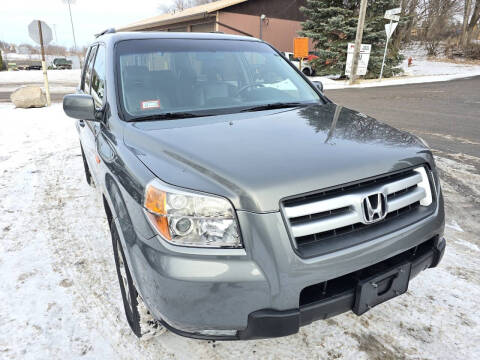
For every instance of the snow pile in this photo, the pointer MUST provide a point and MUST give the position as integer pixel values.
(60, 298)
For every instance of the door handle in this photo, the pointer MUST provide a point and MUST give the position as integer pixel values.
(81, 123)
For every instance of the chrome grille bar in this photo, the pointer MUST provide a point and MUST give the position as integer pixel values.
(408, 189)
(406, 199)
(332, 222)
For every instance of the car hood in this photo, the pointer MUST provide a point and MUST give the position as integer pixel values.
(257, 158)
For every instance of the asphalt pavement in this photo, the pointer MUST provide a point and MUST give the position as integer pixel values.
(445, 114)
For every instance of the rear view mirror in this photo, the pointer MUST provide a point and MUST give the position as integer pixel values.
(318, 85)
(79, 106)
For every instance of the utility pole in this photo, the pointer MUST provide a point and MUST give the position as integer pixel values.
(358, 40)
(71, 21)
(262, 18)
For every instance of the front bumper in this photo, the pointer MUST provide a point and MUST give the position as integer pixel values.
(270, 323)
(258, 293)
(189, 294)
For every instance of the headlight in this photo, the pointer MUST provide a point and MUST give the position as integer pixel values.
(190, 219)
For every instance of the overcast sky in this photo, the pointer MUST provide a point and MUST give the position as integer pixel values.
(89, 17)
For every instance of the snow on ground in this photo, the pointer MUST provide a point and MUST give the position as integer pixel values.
(329, 84)
(423, 70)
(71, 77)
(60, 298)
(423, 66)
(60, 81)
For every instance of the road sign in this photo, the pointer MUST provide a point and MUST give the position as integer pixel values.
(300, 47)
(33, 31)
(365, 50)
(395, 11)
(392, 14)
(390, 28)
(392, 17)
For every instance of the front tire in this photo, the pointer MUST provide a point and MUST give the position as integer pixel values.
(139, 318)
(306, 71)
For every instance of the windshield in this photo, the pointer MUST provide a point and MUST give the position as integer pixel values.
(204, 77)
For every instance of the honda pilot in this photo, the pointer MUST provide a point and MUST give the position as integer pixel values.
(242, 202)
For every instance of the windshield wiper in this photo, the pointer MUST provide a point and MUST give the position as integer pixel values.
(168, 116)
(273, 106)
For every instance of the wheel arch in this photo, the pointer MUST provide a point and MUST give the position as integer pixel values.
(118, 215)
(107, 209)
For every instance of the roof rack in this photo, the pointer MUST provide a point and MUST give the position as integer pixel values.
(107, 31)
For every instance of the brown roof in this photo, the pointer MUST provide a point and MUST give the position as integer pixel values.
(196, 12)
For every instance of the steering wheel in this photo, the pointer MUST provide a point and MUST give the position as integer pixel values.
(248, 86)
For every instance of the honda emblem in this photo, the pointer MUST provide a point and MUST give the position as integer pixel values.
(374, 208)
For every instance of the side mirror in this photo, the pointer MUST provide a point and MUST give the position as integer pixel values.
(79, 106)
(318, 85)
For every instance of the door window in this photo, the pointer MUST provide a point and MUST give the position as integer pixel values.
(88, 71)
(98, 77)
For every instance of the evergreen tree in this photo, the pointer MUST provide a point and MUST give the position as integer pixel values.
(332, 24)
(1, 61)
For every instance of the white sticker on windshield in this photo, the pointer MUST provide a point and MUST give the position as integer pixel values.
(150, 104)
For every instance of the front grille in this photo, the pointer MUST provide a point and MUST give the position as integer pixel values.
(317, 221)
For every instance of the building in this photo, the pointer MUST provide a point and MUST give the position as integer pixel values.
(275, 21)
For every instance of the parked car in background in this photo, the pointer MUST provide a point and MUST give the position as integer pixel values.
(242, 202)
(26, 65)
(11, 66)
(62, 63)
(307, 69)
(35, 66)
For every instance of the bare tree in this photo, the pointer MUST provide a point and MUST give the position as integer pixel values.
(474, 21)
(180, 5)
(410, 20)
(29, 49)
(466, 16)
(55, 50)
(436, 17)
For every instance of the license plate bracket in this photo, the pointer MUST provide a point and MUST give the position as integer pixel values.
(381, 287)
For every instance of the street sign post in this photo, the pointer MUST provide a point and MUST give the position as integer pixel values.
(363, 59)
(300, 49)
(42, 34)
(391, 15)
